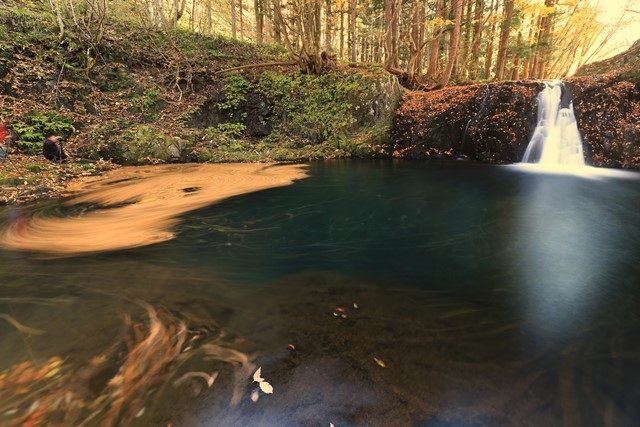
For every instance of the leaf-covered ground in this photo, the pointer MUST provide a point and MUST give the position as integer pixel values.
(27, 178)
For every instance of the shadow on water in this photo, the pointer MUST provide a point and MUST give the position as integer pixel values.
(483, 296)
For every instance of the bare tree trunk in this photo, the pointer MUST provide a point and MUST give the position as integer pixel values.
(280, 26)
(515, 72)
(233, 18)
(241, 10)
(504, 39)
(488, 57)
(464, 60)
(477, 36)
(544, 40)
(259, 30)
(192, 18)
(328, 32)
(434, 50)
(56, 11)
(277, 21)
(341, 33)
(416, 39)
(391, 34)
(352, 30)
(454, 42)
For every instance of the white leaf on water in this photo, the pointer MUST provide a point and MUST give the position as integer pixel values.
(266, 387)
(255, 396)
(331, 425)
(140, 413)
(257, 376)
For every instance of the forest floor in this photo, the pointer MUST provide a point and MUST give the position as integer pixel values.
(27, 178)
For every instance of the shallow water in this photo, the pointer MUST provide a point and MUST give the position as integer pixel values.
(491, 295)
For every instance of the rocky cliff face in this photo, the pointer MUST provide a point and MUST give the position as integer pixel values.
(493, 123)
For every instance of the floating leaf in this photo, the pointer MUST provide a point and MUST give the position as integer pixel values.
(380, 362)
(255, 396)
(257, 376)
(266, 387)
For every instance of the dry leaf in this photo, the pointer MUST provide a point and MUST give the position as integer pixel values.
(266, 387)
(255, 396)
(380, 362)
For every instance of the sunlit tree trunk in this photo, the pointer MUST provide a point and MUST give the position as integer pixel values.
(328, 16)
(391, 34)
(434, 50)
(352, 30)
(341, 33)
(416, 39)
(454, 42)
(233, 18)
(504, 39)
(488, 57)
(477, 36)
(515, 72)
(468, 30)
(259, 14)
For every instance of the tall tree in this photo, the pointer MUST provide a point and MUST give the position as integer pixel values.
(454, 42)
(416, 40)
(258, 6)
(233, 18)
(488, 56)
(475, 41)
(328, 32)
(352, 42)
(391, 15)
(434, 50)
(505, 27)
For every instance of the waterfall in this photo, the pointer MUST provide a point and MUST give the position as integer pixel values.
(556, 139)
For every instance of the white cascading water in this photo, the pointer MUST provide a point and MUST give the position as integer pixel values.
(556, 140)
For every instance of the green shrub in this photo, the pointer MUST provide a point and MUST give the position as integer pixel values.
(313, 107)
(36, 125)
(235, 90)
(147, 103)
(146, 144)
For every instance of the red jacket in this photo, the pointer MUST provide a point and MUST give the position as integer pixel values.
(3, 132)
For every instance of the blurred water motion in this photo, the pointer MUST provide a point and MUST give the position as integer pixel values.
(138, 206)
(492, 296)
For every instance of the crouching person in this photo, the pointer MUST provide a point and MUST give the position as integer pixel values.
(52, 149)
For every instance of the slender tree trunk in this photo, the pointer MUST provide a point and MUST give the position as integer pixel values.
(416, 39)
(280, 27)
(515, 72)
(241, 13)
(463, 68)
(454, 42)
(277, 21)
(505, 28)
(391, 34)
(341, 33)
(259, 14)
(434, 49)
(234, 8)
(353, 4)
(192, 17)
(488, 57)
(545, 40)
(56, 11)
(328, 32)
(477, 36)
(209, 18)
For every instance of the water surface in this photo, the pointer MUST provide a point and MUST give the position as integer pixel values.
(491, 295)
